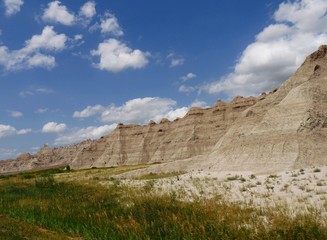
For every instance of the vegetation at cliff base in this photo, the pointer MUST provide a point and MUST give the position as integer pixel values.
(40, 207)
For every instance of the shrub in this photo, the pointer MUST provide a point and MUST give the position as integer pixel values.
(45, 182)
(252, 176)
(233, 178)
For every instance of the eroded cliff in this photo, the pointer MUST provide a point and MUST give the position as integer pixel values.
(284, 129)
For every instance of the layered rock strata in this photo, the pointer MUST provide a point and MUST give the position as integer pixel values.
(282, 130)
(193, 135)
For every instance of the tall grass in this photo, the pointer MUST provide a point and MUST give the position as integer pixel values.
(119, 212)
(12, 229)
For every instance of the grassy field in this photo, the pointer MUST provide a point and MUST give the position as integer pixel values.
(38, 206)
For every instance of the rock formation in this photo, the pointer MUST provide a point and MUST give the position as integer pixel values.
(286, 130)
(282, 130)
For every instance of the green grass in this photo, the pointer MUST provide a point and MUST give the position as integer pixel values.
(97, 174)
(12, 229)
(42, 204)
(150, 176)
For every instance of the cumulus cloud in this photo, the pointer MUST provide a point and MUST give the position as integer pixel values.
(115, 56)
(86, 13)
(79, 135)
(15, 114)
(53, 127)
(23, 131)
(173, 114)
(13, 6)
(7, 131)
(109, 25)
(139, 110)
(188, 76)
(89, 111)
(48, 40)
(34, 53)
(300, 28)
(58, 13)
(306, 15)
(88, 10)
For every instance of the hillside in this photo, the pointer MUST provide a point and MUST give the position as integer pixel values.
(283, 130)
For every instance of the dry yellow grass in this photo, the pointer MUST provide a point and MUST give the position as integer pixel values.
(97, 173)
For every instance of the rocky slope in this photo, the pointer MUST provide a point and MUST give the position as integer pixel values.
(193, 135)
(285, 129)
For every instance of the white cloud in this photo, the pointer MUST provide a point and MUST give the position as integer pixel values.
(33, 54)
(273, 32)
(41, 60)
(15, 114)
(78, 37)
(53, 127)
(110, 25)
(139, 110)
(199, 103)
(173, 114)
(34, 91)
(306, 15)
(42, 110)
(188, 76)
(116, 56)
(24, 94)
(48, 40)
(175, 60)
(56, 12)
(84, 134)
(23, 131)
(13, 6)
(44, 90)
(186, 89)
(86, 13)
(300, 28)
(88, 10)
(89, 111)
(7, 131)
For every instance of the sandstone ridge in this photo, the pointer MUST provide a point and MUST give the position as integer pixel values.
(282, 130)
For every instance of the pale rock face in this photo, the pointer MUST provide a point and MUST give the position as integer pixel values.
(282, 130)
(193, 135)
(286, 130)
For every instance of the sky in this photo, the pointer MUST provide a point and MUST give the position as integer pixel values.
(73, 70)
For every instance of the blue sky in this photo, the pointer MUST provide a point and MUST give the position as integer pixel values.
(72, 70)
